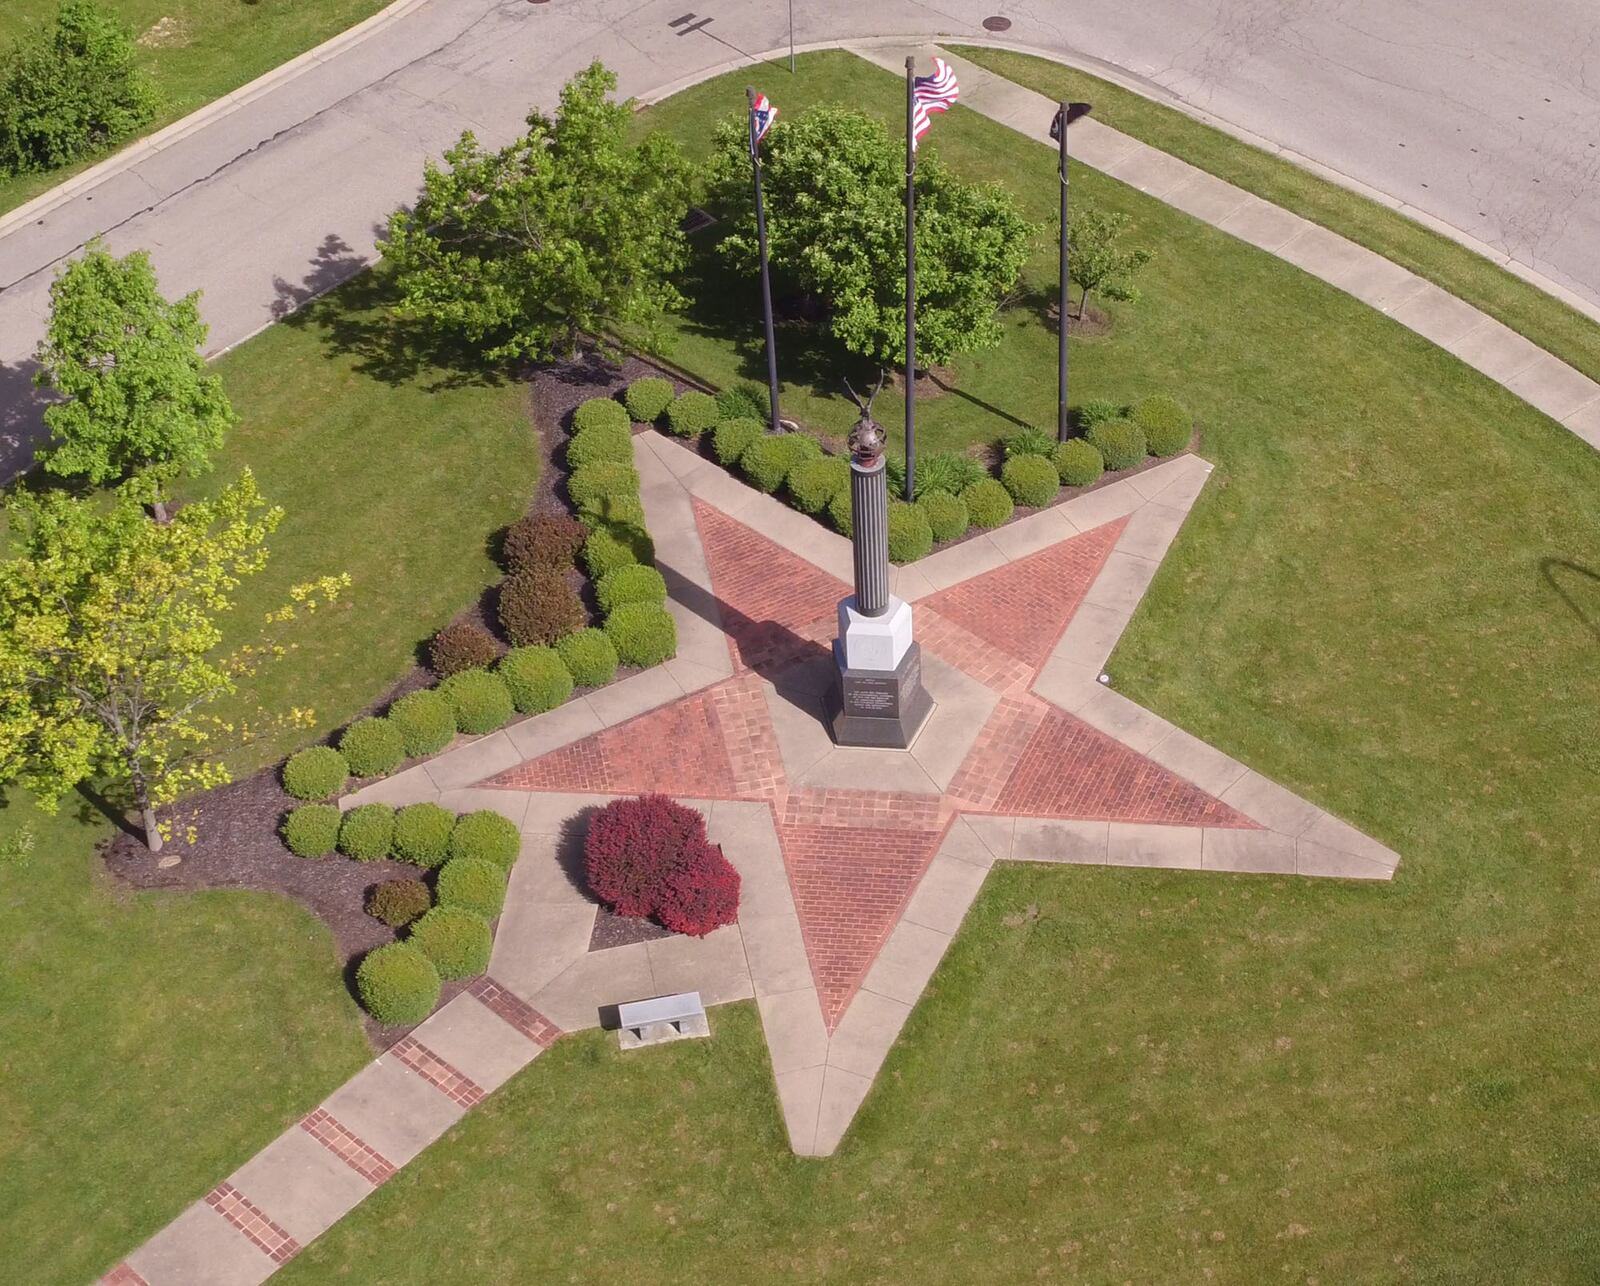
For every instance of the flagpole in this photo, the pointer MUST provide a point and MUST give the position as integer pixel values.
(1061, 374)
(911, 284)
(766, 280)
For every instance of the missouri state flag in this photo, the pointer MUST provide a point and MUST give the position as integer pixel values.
(931, 94)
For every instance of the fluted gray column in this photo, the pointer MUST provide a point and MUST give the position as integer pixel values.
(869, 515)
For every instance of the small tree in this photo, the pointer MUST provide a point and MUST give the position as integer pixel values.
(70, 89)
(138, 398)
(567, 231)
(835, 184)
(108, 634)
(1097, 262)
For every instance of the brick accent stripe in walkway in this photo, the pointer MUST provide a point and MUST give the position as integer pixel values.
(253, 1222)
(516, 1011)
(354, 1151)
(122, 1275)
(450, 1081)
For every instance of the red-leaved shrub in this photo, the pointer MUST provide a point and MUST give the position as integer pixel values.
(701, 895)
(633, 845)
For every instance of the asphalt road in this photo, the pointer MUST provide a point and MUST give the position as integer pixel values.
(1482, 114)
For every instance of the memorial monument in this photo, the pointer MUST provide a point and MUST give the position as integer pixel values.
(880, 700)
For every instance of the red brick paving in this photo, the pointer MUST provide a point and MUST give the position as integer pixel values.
(450, 1081)
(345, 1144)
(958, 646)
(122, 1275)
(253, 1222)
(1023, 607)
(515, 1010)
(996, 753)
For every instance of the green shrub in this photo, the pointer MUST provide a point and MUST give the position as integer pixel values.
(549, 540)
(538, 606)
(481, 701)
(397, 984)
(536, 679)
(745, 399)
(1097, 410)
(690, 413)
(425, 721)
(613, 545)
(485, 836)
(366, 832)
(946, 514)
(841, 513)
(372, 747)
(1029, 442)
(647, 398)
(600, 413)
(71, 89)
(631, 584)
(422, 834)
(601, 442)
(731, 437)
(644, 634)
(589, 657)
(988, 503)
(768, 460)
(1079, 463)
(473, 885)
(615, 511)
(315, 773)
(1031, 479)
(1120, 442)
(459, 647)
(910, 535)
(398, 902)
(1167, 426)
(950, 471)
(456, 940)
(813, 483)
(312, 830)
(602, 479)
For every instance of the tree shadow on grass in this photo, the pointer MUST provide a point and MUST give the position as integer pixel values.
(1549, 569)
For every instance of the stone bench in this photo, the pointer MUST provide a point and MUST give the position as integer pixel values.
(660, 1019)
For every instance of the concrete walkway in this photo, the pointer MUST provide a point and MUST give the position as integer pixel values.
(858, 866)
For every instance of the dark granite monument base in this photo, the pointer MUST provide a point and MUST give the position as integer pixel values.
(884, 709)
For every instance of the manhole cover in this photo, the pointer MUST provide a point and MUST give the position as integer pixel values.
(997, 23)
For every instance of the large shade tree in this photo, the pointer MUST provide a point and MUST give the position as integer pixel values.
(835, 188)
(568, 231)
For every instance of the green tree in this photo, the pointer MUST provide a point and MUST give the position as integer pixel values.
(835, 185)
(70, 90)
(108, 643)
(567, 231)
(138, 398)
(1097, 262)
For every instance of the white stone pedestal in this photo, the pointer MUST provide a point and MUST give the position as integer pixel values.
(873, 642)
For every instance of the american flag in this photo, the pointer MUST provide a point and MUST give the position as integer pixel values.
(762, 114)
(931, 94)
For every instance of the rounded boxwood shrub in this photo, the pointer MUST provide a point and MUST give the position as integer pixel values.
(946, 514)
(485, 836)
(425, 721)
(769, 459)
(366, 832)
(397, 984)
(731, 437)
(602, 442)
(841, 513)
(536, 679)
(644, 634)
(1120, 442)
(813, 483)
(634, 583)
(988, 503)
(647, 398)
(312, 830)
(542, 540)
(398, 902)
(538, 606)
(460, 647)
(422, 834)
(1029, 441)
(692, 412)
(700, 894)
(372, 747)
(481, 701)
(1167, 426)
(601, 479)
(1032, 480)
(1079, 463)
(600, 412)
(473, 885)
(744, 398)
(457, 940)
(315, 773)
(910, 536)
(625, 511)
(613, 545)
(589, 657)
(632, 845)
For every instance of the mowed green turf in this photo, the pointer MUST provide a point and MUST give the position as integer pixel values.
(1388, 598)
(194, 50)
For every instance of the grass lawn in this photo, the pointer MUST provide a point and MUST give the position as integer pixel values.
(195, 50)
(1389, 599)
